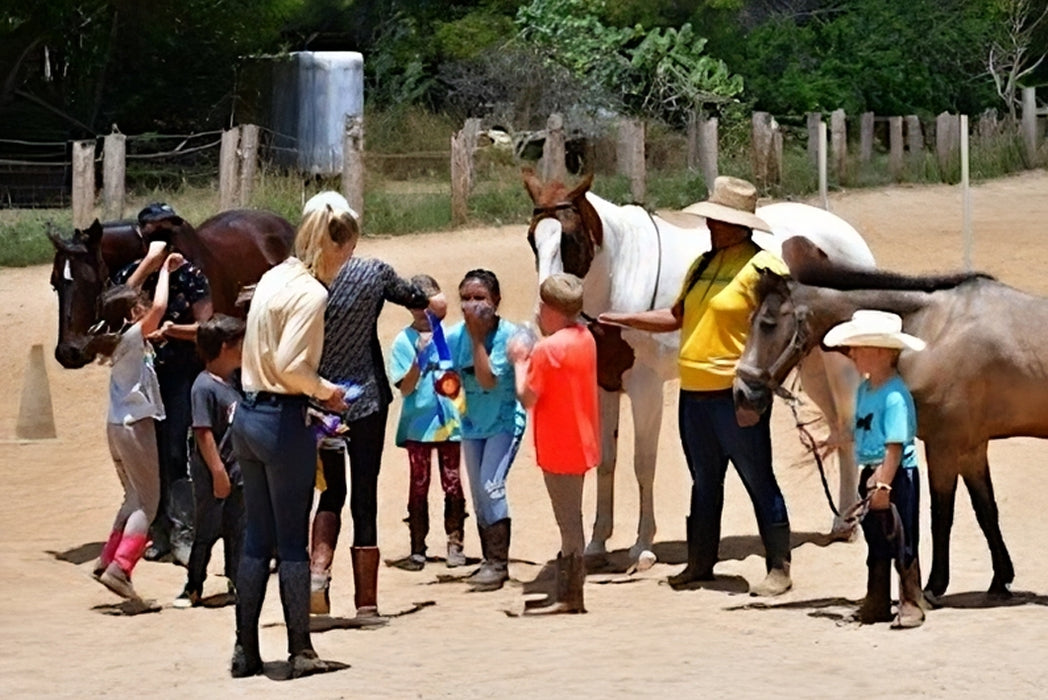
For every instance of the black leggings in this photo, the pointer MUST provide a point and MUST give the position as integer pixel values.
(364, 443)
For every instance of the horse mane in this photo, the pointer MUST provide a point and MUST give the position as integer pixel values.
(846, 278)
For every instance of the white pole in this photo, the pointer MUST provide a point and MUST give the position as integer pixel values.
(822, 166)
(966, 195)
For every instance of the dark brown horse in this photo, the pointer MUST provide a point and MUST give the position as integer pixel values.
(982, 376)
(233, 249)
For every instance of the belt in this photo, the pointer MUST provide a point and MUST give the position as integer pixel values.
(716, 394)
(267, 397)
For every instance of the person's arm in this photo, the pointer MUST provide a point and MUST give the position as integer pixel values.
(153, 261)
(525, 394)
(401, 291)
(655, 321)
(151, 320)
(478, 326)
(404, 367)
(880, 497)
(205, 442)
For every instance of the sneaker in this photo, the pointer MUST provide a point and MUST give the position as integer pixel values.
(116, 579)
(456, 557)
(187, 599)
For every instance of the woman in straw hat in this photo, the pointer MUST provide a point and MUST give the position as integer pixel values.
(273, 442)
(712, 313)
(885, 428)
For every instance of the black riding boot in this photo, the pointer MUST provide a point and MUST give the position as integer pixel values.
(494, 570)
(294, 597)
(252, 577)
(700, 559)
(877, 605)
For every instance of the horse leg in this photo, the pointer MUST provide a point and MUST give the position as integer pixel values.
(645, 391)
(942, 483)
(830, 379)
(980, 490)
(609, 428)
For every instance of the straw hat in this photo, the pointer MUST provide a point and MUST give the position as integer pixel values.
(733, 201)
(877, 329)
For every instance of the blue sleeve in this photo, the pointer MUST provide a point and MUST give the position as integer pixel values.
(497, 358)
(896, 419)
(401, 357)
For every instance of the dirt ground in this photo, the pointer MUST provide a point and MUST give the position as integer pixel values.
(640, 638)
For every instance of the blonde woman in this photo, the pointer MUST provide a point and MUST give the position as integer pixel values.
(272, 441)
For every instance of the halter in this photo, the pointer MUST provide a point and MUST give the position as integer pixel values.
(767, 378)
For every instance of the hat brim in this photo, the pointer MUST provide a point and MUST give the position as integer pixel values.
(848, 334)
(712, 210)
(761, 235)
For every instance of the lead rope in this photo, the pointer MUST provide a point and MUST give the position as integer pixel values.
(812, 445)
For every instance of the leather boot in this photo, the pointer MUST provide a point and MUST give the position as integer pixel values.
(252, 577)
(700, 563)
(326, 526)
(418, 528)
(777, 561)
(571, 581)
(295, 599)
(365, 581)
(877, 605)
(494, 571)
(454, 525)
(911, 614)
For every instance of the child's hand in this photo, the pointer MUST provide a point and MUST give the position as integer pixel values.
(479, 317)
(438, 305)
(220, 486)
(517, 350)
(174, 261)
(161, 332)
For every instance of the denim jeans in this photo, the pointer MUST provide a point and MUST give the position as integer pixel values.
(876, 526)
(487, 462)
(711, 437)
(277, 455)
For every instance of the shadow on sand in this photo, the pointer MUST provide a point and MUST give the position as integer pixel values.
(86, 552)
(281, 670)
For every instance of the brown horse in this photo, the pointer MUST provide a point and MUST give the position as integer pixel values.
(981, 377)
(233, 249)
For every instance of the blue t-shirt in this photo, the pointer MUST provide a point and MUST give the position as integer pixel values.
(885, 415)
(425, 415)
(494, 411)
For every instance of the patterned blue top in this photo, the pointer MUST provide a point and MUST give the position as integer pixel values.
(352, 352)
(494, 411)
(885, 415)
(425, 415)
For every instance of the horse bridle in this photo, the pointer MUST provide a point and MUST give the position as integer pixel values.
(770, 377)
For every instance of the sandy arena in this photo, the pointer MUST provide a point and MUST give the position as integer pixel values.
(640, 638)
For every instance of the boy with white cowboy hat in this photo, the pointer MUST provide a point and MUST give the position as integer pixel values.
(885, 428)
(712, 314)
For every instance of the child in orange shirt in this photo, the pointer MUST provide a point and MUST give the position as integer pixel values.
(557, 381)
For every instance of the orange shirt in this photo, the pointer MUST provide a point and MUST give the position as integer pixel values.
(566, 415)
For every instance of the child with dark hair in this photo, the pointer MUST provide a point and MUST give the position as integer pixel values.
(493, 420)
(134, 408)
(429, 421)
(218, 488)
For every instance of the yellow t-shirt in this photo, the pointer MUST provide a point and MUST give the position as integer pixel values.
(717, 312)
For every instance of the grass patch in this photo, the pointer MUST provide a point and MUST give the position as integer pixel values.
(23, 235)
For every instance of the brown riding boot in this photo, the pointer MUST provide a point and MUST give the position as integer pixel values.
(365, 581)
(877, 605)
(911, 614)
(326, 526)
(571, 582)
(454, 524)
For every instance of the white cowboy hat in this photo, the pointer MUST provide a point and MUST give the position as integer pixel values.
(869, 328)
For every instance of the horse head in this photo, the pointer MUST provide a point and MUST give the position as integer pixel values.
(780, 336)
(565, 230)
(79, 275)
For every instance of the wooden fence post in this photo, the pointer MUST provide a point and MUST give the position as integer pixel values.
(630, 156)
(1029, 126)
(227, 169)
(113, 170)
(866, 137)
(897, 147)
(707, 145)
(461, 159)
(947, 140)
(814, 119)
(987, 129)
(839, 144)
(353, 163)
(553, 165)
(83, 183)
(248, 161)
(765, 167)
(914, 139)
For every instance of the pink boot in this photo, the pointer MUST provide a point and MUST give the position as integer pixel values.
(108, 552)
(117, 576)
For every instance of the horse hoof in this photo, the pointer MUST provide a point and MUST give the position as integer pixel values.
(999, 591)
(596, 548)
(639, 550)
(646, 560)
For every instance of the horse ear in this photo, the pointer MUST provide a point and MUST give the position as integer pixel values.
(581, 189)
(531, 183)
(93, 234)
(56, 238)
(802, 256)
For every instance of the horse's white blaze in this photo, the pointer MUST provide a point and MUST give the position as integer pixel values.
(67, 272)
(547, 246)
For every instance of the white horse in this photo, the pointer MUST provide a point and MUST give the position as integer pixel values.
(631, 260)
